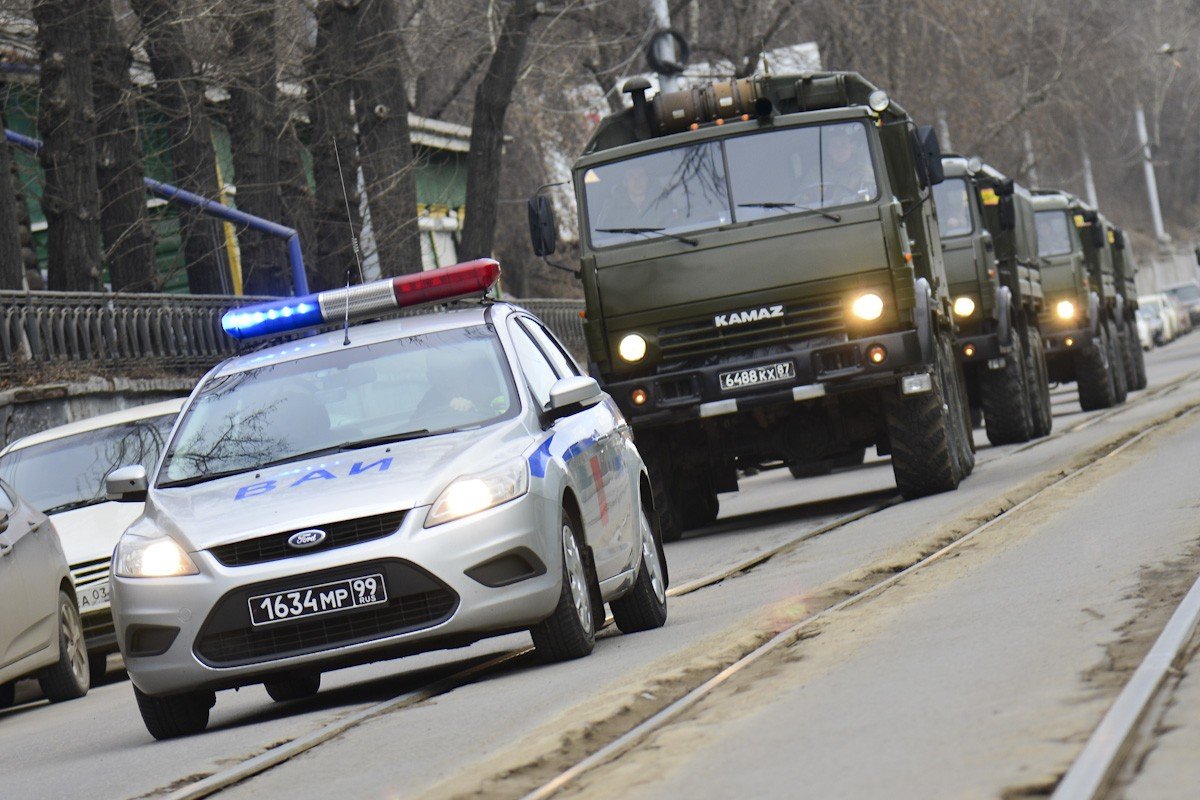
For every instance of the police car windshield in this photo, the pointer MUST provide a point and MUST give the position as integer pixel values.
(767, 175)
(68, 473)
(953, 207)
(341, 400)
(1054, 233)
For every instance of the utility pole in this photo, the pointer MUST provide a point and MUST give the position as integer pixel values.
(660, 19)
(1089, 180)
(1160, 232)
(944, 130)
(1030, 160)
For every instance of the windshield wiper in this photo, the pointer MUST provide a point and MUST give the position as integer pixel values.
(797, 206)
(74, 504)
(659, 231)
(324, 451)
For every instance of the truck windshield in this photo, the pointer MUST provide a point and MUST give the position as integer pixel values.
(343, 400)
(768, 174)
(953, 202)
(1054, 233)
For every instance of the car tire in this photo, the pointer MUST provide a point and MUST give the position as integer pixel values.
(8, 694)
(1039, 386)
(570, 631)
(644, 606)
(69, 678)
(300, 685)
(97, 667)
(1007, 411)
(177, 714)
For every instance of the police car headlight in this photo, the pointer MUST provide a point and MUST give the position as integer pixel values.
(139, 557)
(632, 348)
(867, 306)
(1065, 309)
(471, 494)
(964, 306)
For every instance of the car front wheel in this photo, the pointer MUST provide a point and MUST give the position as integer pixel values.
(176, 714)
(645, 605)
(68, 678)
(569, 632)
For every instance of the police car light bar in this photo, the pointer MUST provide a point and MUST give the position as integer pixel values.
(367, 299)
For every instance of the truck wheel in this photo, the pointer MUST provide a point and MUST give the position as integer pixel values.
(695, 501)
(854, 458)
(961, 410)
(1005, 397)
(644, 606)
(176, 714)
(923, 434)
(69, 677)
(1039, 382)
(1117, 358)
(570, 631)
(1093, 375)
(1135, 359)
(809, 469)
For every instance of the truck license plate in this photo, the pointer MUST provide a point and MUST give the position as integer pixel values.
(325, 598)
(772, 373)
(93, 597)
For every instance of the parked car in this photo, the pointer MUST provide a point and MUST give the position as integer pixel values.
(1187, 295)
(41, 635)
(1149, 328)
(1162, 307)
(61, 472)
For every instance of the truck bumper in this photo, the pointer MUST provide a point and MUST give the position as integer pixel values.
(1065, 342)
(696, 393)
(979, 349)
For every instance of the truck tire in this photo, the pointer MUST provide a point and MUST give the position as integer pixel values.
(924, 436)
(695, 500)
(1093, 374)
(1135, 359)
(1039, 382)
(1007, 411)
(1117, 345)
(966, 437)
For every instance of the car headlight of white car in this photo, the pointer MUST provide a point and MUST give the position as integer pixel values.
(157, 557)
(470, 494)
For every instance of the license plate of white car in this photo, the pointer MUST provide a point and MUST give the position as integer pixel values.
(324, 598)
(93, 597)
(770, 373)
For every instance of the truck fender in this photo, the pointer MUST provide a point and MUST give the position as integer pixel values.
(923, 317)
(1004, 316)
(1094, 312)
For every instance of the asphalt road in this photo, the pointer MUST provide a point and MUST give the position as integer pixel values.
(983, 675)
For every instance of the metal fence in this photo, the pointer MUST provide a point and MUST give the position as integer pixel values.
(143, 334)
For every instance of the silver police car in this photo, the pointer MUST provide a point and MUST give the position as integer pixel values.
(403, 486)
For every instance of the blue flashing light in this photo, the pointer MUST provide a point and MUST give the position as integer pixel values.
(279, 316)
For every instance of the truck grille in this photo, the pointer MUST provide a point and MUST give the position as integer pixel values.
(415, 600)
(799, 322)
(274, 547)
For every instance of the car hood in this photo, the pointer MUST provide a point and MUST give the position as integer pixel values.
(317, 491)
(90, 534)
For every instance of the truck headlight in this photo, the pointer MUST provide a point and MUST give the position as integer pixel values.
(1065, 309)
(470, 494)
(632, 348)
(963, 306)
(868, 306)
(160, 557)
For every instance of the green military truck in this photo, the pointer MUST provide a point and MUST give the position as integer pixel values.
(1083, 343)
(989, 244)
(1125, 271)
(763, 280)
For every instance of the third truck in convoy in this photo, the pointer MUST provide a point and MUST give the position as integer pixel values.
(764, 280)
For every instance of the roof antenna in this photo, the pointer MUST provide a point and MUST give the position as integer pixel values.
(349, 218)
(346, 324)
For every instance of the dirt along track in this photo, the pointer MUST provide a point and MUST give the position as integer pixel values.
(512, 726)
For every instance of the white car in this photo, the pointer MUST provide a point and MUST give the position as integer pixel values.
(1163, 308)
(61, 472)
(40, 632)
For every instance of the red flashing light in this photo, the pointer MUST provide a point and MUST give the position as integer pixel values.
(446, 283)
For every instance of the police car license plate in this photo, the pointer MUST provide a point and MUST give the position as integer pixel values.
(93, 597)
(772, 373)
(324, 598)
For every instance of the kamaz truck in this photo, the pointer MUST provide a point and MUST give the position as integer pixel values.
(989, 244)
(764, 281)
(1083, 343)
(1125, 270)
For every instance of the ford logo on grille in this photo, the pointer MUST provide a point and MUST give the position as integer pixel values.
(302, 540)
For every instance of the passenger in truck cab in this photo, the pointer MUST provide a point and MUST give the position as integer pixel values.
(848, 175)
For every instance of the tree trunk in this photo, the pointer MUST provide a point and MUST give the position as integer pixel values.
(127, 235)
(180, 95)
(66, 122)
(384, 146)
(297, 196)
(337, 220)
(12, 267)
(492, 98)
(254, 136)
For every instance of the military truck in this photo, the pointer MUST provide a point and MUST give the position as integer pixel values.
(1083, 343)
(1125, 269)
(989, 244)
(763, 280)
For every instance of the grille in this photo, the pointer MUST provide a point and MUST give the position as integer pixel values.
(415, 600)
(87, 572)
(801, 321)
(274, 547)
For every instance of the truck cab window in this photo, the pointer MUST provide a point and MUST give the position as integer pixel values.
(953, 201)
(1054, 233)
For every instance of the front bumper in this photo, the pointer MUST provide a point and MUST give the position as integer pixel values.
(1061, 343)
(193, 632)
(695, 393)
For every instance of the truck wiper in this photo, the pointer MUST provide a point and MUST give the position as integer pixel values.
(659, 231)
(797, 206)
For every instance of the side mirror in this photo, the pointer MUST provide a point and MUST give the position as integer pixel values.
(542, 230)
(572, 394)
(1118, 238)
(929, 157)
(1008, 213)
(1006, 188)
(126, 485)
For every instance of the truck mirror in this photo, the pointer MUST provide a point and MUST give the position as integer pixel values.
(1197, 252)
(1118, 238)
(929, 156)
(1097, 237)
(1008, 212)
(542, 230)
(1006, 188)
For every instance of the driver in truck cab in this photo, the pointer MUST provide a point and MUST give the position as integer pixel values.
(848, 174)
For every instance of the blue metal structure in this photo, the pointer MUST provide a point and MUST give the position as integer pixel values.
(173, 194)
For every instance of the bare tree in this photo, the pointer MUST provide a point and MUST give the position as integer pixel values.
(11, 261)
